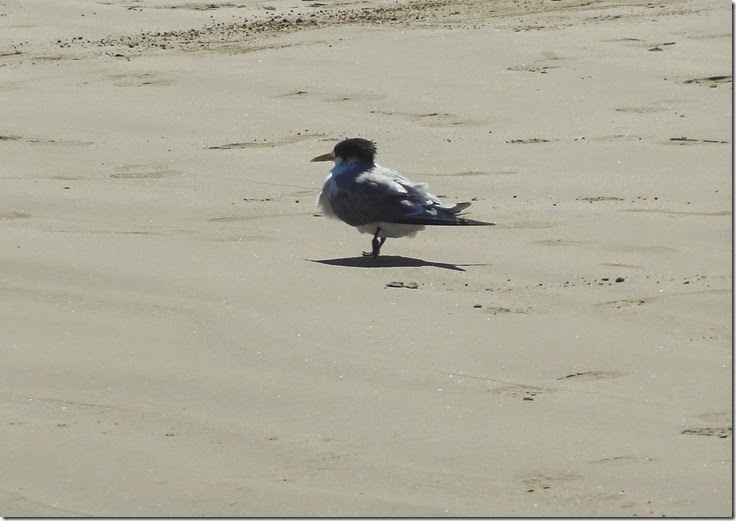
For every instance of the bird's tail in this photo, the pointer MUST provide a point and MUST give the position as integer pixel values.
(447, 220)
(455, 209)
(455, 221)
(455, 212)
(445, 216)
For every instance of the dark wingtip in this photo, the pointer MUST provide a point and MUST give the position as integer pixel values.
(471, 222)
(438, 222)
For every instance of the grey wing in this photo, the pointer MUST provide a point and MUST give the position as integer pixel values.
(364, 203)
(426, 207)
(383, 195)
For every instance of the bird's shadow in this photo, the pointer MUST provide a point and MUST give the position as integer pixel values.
(390, 261)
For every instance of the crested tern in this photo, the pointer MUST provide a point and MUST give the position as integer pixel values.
(380, 201)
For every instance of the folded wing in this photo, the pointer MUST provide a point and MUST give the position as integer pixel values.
(383, 195)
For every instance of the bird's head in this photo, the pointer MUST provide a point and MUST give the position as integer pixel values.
(353, 149)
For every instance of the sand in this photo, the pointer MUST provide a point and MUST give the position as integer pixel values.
(184, 335)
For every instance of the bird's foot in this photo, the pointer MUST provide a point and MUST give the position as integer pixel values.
(376, 243)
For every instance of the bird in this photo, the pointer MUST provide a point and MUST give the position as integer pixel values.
(380, 201)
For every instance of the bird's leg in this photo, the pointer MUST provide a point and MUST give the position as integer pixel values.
(377, 246)
(376, 243)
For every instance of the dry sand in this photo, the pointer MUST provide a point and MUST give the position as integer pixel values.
(183, 336)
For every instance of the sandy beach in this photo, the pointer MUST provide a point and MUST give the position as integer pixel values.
(183, 334)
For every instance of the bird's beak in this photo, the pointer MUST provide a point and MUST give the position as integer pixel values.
(323, 157)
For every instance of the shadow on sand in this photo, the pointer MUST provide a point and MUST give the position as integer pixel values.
(390, 261)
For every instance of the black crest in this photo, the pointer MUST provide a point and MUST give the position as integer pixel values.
(357, 148)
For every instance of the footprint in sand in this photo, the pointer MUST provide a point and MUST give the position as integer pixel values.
(722, 213)
(444, 119)
(546, 481)
(348, 96)
(541, 69)
(245, 218)
(598, 198)
(626, 303)
(558, 242)
(502, 310)
(139, 80)
(293, 94)
(287, 140)
(142, 172)
(59, 142)
(540, 65)
(45, 141)
(592, 375)
(525, 225)
(646, 109)
(434, 119)
(622, 460)
(613, 138)
(4, 53)
(194, 6)
(526, 393)
(641, 249)
(473, 173)
(718, 432)
(710, 81)
(7, 216)
(530, 141)
(621, 265)
(358, 96)
(692, 141)
(716, 417)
